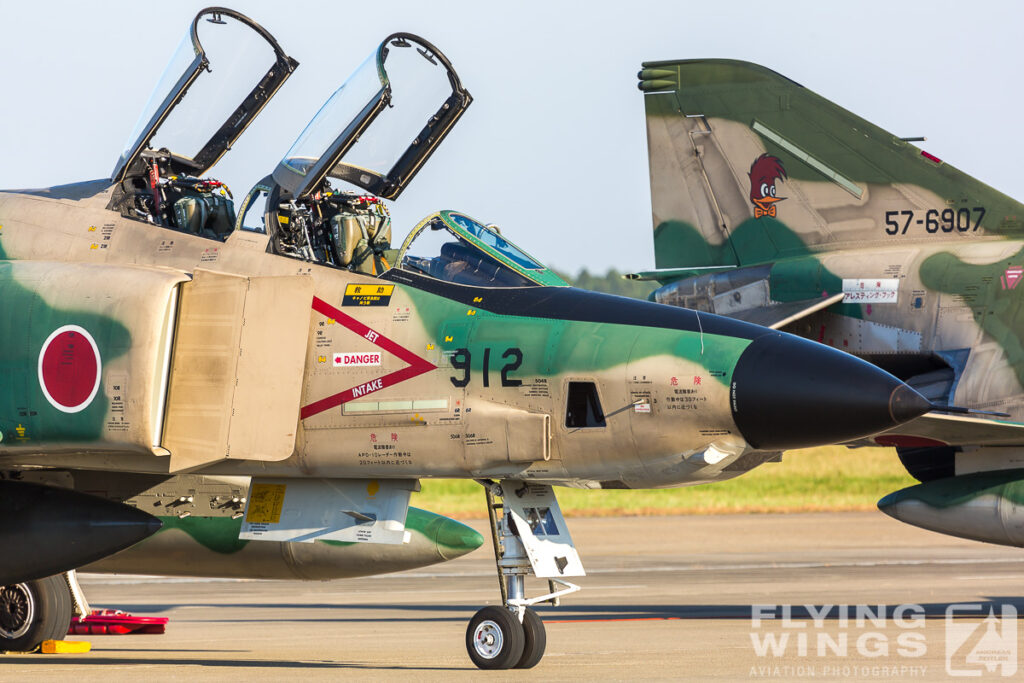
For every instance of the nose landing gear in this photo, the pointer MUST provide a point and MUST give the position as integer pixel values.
(495, 639)
(530, 536)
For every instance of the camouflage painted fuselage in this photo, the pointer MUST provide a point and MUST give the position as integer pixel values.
(867, 244)
(925, 259)
(445, 380)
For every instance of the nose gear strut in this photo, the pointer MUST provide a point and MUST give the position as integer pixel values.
(529, 535)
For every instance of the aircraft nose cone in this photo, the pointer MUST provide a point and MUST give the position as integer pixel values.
(788, 392)
(905, 404)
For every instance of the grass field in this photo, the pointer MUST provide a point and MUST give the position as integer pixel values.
(829, 478)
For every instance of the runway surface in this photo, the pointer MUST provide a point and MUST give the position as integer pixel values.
(665, 598)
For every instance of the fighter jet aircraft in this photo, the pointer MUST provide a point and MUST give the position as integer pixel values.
(154, 341)
(776, 206)
(200, 516)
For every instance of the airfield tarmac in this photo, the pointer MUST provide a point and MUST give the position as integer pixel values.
(665, 598)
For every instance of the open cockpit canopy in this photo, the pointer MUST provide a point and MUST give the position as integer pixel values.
(375, 132)
(225, 70)
(410, 94)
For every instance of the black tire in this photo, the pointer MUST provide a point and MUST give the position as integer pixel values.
(34, 611)
(64, 609)
(494, 638)
(535, 640)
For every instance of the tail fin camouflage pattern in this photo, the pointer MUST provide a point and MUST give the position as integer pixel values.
(815, 221)
(749, 167)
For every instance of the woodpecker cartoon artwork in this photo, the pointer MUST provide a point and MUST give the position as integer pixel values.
(884, 251)
(198, 389)
(764, 173)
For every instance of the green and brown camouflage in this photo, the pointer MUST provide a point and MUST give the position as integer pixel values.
(860, 204)
(194, 541)
(772, 204)
(201, 519)
(488, 397)
(161, 346)
(260, 347)
(982, 506)
(450, 380)
(250, 347)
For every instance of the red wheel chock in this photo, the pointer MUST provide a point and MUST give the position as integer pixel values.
(111, 622)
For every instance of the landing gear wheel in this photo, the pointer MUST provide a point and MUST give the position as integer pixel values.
(34, 611)
(494, 638)
(536, 640)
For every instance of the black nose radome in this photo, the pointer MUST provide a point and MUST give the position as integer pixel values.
(905, 404)
(788, 392)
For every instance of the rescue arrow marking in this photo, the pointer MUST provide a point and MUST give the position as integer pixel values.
(417, 366)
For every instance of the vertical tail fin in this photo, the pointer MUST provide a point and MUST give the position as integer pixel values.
(748, 167)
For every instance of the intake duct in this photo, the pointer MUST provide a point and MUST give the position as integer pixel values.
(928, 463)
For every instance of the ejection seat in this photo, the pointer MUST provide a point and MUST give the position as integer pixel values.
(359, 239)
(191, 121)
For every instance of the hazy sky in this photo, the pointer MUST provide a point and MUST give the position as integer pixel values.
(553, 148)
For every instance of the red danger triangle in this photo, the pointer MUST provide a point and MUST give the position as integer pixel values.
(417, 366)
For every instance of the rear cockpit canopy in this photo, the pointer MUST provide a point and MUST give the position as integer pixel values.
(381, 125)
(375, 132)
(225, 70)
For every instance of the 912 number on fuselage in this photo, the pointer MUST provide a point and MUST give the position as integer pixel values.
(462, 360)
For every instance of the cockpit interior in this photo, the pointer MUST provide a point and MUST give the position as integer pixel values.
(225, 70)
(375, 132)
(453, 247)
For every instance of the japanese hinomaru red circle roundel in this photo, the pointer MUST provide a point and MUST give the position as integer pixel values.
(69, 368)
